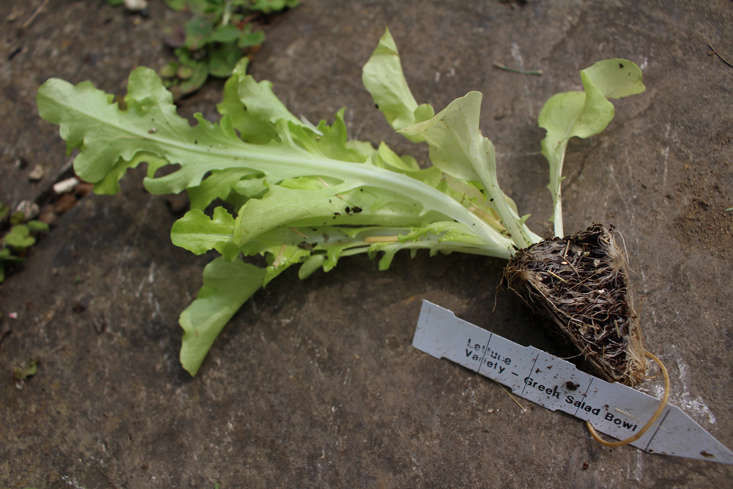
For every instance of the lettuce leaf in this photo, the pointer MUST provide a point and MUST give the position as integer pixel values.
(382, 75)
(262, 182)
(295, 193)
(459, 149)
(583, 114)
(227, 285)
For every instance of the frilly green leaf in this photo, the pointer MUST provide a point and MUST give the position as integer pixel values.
(198, 233)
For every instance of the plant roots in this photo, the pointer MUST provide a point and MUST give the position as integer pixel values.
(581, 283)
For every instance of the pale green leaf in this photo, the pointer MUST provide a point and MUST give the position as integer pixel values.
(260, 101)
(313, 263)
(383, 77)
(218, 185)
(328, 205)
(459, 149)
(110, 184)
(250, 188)
(251, 127)
(280, 258)
(330, 141)
(227, 285)
(615, 77)
(453, 137)
(198, 233)
(583, 114)
(386, 158)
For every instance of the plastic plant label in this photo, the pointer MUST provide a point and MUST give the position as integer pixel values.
(556, 384)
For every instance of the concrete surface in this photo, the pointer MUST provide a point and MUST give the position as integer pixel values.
(315, 384)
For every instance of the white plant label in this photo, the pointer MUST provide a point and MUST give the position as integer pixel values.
(556, 384)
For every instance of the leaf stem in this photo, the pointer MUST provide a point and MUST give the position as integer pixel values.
(429, 197)
(293, 162)
(519, 233)
(381, 239)
(557, 214)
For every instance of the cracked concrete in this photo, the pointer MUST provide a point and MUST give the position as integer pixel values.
(314, 383)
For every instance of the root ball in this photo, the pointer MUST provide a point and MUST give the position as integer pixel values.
(581, 283)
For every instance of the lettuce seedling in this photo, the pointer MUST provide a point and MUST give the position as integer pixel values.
(214, 39)
(306, 195)
(14, 244)
(583, 114)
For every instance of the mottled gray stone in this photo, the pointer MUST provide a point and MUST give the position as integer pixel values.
(314, 383)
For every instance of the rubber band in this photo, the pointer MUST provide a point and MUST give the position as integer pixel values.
(657, 413)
